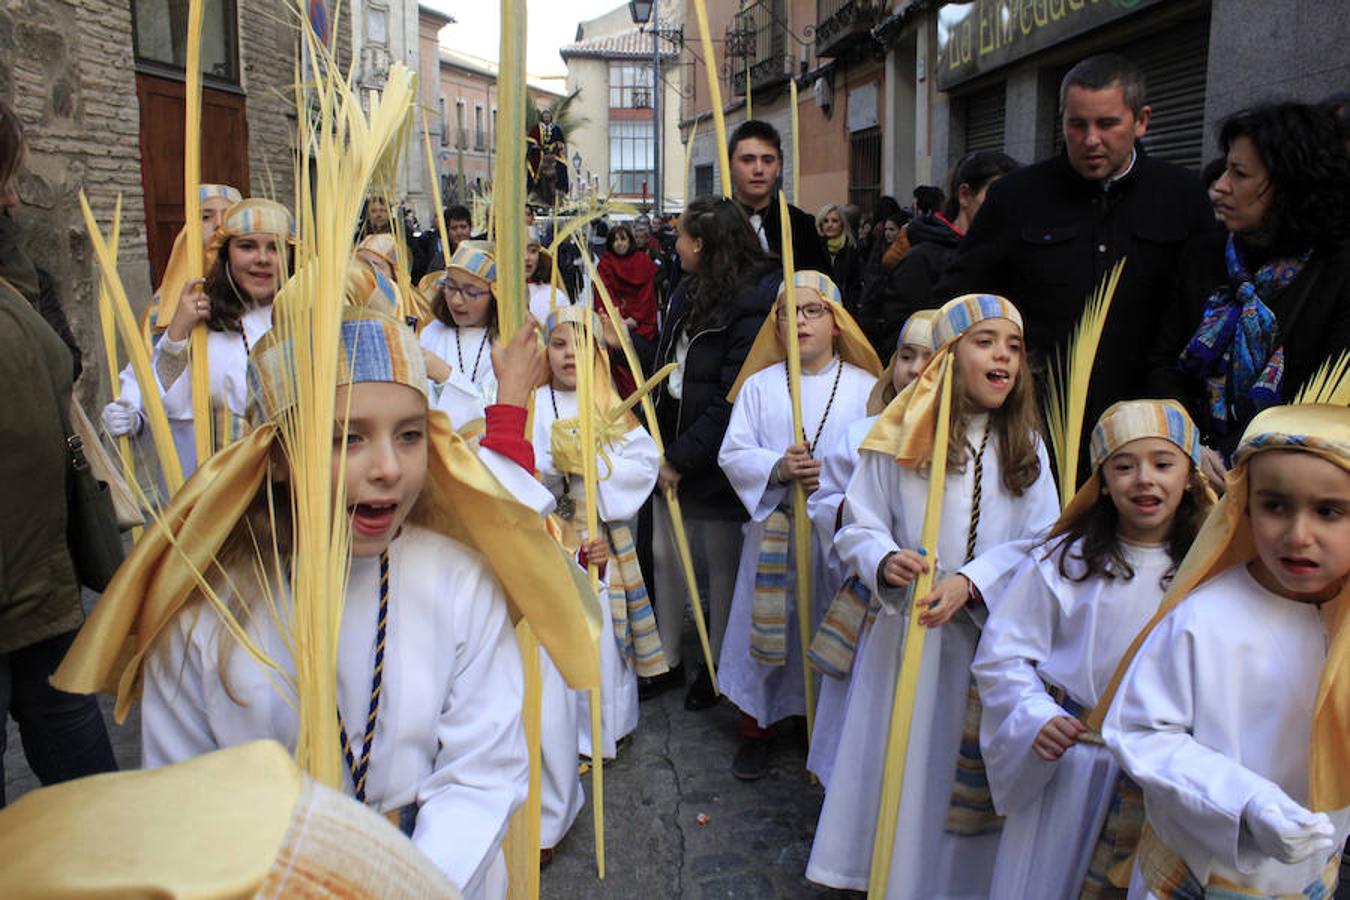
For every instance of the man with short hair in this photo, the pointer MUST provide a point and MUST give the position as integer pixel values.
(458, 225)
(756, 154)
(1049, 233)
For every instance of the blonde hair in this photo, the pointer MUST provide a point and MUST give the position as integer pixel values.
(828, 208)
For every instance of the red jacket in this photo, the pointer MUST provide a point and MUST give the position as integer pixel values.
(630, 281)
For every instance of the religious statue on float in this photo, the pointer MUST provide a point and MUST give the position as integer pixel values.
(546, 159)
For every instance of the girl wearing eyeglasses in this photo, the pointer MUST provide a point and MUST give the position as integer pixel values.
(760, 668)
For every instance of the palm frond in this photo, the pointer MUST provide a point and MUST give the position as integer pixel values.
(1068, 380)
(1329, 384)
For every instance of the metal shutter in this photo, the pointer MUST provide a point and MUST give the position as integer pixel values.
(1175, 63)
(984, 118)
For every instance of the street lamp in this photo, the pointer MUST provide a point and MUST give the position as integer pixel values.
(643, 11)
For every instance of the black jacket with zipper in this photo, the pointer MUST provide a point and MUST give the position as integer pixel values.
(693, 426)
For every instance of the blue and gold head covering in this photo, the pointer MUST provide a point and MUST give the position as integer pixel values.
(956, 316)
(808, 280)
(220, 191)
(573, 315)
(1226, 541)
(477, 258)
(375, 347)
(908, 425)
(919, 331)
(1132, 420)
(850, 343)
(256, 215)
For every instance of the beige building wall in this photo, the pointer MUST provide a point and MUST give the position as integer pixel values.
(591, 140)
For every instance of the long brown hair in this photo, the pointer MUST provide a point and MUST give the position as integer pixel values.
(1017, 424)
(1101, 553)
(228, 300)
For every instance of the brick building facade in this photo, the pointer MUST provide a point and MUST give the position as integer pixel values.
(82, 84)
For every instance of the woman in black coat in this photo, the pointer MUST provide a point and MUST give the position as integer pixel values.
(728, 288)
(846, 257)
(1263, 305)
(933, 239)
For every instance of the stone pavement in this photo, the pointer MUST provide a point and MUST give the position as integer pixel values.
(757, 835)
(676, 768)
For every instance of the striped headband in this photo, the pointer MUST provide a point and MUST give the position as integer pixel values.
(476, 258)
(375, 348)
(1311, 427)
(222, 191)
(575, 314)
(957, 315)
(918, 330)
(257, 215)
(1130, 420)
(808, 279)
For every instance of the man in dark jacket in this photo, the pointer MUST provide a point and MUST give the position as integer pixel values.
(1047, 234)
(756, 154)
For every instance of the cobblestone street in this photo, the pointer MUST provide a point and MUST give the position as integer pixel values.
(754, 844)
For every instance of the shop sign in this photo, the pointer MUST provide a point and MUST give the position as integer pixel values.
(988, 34)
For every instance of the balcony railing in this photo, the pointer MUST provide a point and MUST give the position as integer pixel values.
(757, 42)
(841, 25)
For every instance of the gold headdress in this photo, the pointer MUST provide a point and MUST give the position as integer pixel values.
(907, 426)
(917, 332)
(768, 348)
(1226, 541)
(1130, 420)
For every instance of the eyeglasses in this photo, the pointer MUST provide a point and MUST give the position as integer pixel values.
(471, 294)
(809, 311)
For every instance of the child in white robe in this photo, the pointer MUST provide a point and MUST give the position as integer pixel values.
(995, 455)
(465, 324)
(235, 302)
(434, 740)
(835, 643)
(761, 664)
(1054, 639)
(1231, 710)
(627, 470)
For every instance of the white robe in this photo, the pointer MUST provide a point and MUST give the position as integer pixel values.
(227, 365)
(625, 485)
(1051, 628)
(542, 301)
(1216, 706)
(448, 736)
(472, 385)
(884, 511)
(759, 432)
(836, 469)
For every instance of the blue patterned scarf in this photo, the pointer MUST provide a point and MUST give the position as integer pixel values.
(1233, 350)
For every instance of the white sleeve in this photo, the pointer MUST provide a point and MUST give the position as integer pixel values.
(520, 484)
(633, 466)
(1017, 638)
(987, 570)
(746, 464)
(867, 534)
(1149, 728)
(836, 467)
(176, 397)
(481, 770)
(174, 721)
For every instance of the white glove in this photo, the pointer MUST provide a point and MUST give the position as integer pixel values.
(120, 418)
(1284, 830)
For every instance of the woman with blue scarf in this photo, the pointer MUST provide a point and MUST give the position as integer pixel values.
(1262, 306)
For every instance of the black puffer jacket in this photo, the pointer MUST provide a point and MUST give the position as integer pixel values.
(693, 426)
(909, 287)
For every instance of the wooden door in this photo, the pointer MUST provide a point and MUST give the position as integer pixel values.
(224, 155)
